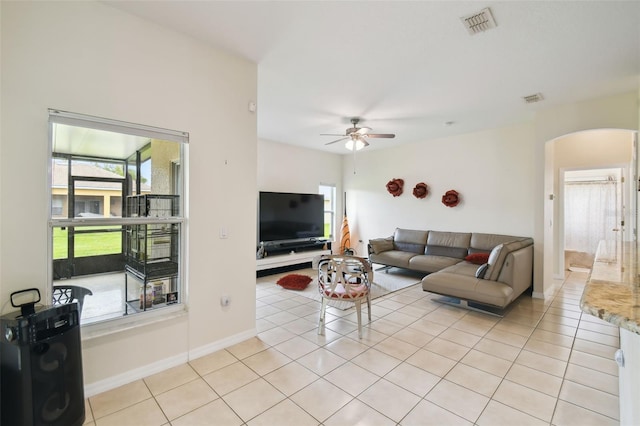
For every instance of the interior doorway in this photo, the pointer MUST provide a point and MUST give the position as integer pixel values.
(593, 201)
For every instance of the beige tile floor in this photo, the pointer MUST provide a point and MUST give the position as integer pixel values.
(419, 363)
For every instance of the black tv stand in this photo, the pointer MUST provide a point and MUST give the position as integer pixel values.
(287, 247)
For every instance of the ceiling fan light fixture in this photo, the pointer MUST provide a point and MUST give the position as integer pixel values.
(356, 137)
(357, 143)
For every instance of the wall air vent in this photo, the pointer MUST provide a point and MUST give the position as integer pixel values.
(531, 99)
(479, 22)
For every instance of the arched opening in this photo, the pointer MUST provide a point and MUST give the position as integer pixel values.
(579, 155)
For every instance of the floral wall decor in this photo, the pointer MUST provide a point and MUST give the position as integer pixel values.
(421, 190)
(394, 186)
(451, 198)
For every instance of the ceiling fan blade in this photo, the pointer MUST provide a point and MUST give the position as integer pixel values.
(357, 135)
(380, 135)
(337, 140)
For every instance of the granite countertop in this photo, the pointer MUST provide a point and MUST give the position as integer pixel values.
(612, 292)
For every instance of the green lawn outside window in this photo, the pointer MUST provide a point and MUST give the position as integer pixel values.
(87, 244)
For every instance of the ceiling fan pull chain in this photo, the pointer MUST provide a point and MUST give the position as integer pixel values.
(354, 158)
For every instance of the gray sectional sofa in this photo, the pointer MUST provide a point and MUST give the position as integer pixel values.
(498, 268)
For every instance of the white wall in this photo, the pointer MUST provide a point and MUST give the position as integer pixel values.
(87, 57)
(283, 167)
(593, 149)
(491, 169)
(288, 168)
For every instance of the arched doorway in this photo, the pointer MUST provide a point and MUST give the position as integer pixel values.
(586, 150)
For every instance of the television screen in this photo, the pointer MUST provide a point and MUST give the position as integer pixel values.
(287, 216)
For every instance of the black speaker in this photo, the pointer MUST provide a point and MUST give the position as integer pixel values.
(41, 367)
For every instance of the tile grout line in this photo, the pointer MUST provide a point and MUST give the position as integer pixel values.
(459, 361)
(372, 344)
(564, 376)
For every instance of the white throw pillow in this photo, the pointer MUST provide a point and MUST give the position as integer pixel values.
(493, 260)
(482, 270)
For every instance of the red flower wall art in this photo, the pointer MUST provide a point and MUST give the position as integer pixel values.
(451, 198)
(421, 190)
(394, 187)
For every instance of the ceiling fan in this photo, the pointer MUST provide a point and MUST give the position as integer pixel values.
(357, 136)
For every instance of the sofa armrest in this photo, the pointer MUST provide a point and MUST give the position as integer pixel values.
(379, 245)
(517, 271)
(499, 254)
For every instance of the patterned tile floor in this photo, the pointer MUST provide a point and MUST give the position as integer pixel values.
(419, 363)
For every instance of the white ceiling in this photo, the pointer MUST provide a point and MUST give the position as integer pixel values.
(408, 67)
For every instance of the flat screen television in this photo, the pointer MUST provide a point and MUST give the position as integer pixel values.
(285, 216)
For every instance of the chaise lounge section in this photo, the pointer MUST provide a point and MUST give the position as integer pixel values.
(487, 269)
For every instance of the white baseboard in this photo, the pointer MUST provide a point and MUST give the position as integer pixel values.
(221, 344)
(133, 375)
(164, 364)
(547, 294)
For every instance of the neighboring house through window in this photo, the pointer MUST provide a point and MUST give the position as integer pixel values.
(116, 218)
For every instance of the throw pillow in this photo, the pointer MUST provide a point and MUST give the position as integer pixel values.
(379, 245)
(478, 258)
(482, 270)
(493, 262)
(294, 281)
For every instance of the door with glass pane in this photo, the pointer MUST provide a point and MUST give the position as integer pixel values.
(91, 249)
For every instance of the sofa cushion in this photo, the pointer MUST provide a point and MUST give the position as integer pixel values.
(456, 252)
(378, 245)
(459, 281)
(449, 244)
(410, 240)
(396, 258)
(477, 258)
(486, 242)
(449, 239)
(461, 269)
(427, 263)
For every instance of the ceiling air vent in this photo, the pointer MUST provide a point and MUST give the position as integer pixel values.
(531, 99)
(479, 22)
